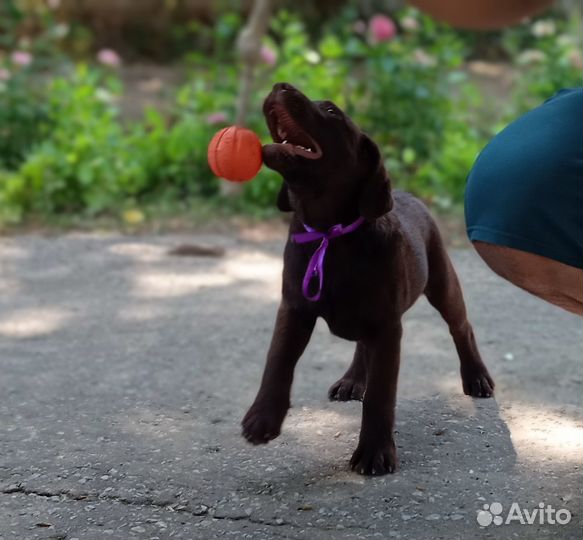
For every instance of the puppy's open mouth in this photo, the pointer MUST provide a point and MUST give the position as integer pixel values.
(289, 136)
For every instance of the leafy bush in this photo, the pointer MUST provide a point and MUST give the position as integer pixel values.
(69, 169)
(24, 67)
(65, 149)
(412, 87)
(549, 58)
(23, 115)
(89, 162)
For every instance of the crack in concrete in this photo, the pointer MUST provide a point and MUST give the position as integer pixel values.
(205, 511)
(145, 501)
(40, 493)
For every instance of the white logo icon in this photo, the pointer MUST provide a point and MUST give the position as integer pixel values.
(490, 514)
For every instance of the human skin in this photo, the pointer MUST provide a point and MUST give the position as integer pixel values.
(481, 14)
(553, 281)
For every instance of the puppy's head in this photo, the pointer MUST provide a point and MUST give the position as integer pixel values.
(323, 156)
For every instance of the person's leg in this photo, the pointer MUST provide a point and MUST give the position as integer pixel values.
(551, 280)
(524, 202)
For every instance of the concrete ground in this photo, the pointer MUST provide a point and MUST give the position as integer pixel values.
(124, 374)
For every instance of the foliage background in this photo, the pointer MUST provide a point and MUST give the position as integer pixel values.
(66, 148)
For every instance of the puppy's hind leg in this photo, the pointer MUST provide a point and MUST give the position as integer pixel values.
(353, 383)
(444, 293)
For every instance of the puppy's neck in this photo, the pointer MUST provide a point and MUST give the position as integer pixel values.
(322, 205)
(323, 216)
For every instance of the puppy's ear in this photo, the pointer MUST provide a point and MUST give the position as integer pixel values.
(283, 202)
(375, 196)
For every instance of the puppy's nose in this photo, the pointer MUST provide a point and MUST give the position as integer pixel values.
(283, 87)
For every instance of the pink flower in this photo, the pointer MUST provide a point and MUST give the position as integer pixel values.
(382, 28)
(108, 57)
(268, 55)
(4, 74)
(21, 58)
(216, 118)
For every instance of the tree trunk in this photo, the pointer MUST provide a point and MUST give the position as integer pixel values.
(249, 47)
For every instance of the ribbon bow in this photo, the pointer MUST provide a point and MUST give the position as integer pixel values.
(316, 264)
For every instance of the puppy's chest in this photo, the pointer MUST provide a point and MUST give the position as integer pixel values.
(354, 287)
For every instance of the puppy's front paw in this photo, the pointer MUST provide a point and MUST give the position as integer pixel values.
(262, 423)
(476, 382)
(346, 389)
(374, 459)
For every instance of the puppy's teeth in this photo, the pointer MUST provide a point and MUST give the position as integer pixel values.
(284, 142)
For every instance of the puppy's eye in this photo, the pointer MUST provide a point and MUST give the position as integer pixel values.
(331, 109)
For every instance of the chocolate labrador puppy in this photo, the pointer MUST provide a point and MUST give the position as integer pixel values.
(359, 256)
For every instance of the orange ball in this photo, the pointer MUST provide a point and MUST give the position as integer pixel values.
(234, 153)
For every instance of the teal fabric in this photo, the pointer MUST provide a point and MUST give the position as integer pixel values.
(525, 190)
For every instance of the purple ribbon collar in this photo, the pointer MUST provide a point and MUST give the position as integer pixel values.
(316, 264)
